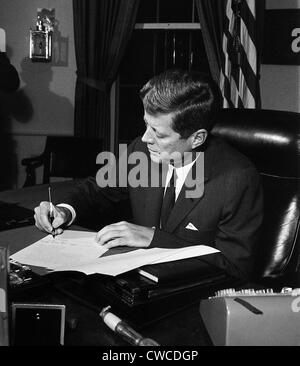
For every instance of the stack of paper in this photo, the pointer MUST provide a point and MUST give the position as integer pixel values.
(78, 251)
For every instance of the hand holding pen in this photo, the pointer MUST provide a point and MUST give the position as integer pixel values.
(51, 212)
(50, 218)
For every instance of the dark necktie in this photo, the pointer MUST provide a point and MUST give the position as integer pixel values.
(168, 201)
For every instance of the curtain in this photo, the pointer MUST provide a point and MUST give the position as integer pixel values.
(232, 33)
(102, 29)
(211, 17)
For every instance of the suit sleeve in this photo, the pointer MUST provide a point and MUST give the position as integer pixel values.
(93, 203)
(238, 227)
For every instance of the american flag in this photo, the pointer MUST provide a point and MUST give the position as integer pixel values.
(239, 72)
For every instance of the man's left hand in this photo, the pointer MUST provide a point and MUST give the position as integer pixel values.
(125, 234)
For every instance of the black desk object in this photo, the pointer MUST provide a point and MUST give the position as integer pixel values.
(181, 325)
(37, 324)
(12, 215)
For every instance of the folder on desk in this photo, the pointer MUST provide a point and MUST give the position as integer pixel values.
(12, 216)
(139, 299)
(175, 278)
(184, 270)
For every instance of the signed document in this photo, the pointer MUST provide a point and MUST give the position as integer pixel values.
(120, 263)
(78, 251)
(69, 248)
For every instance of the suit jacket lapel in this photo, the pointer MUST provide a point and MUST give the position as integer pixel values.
(154, 194)
(194, 188)
(190, 194)
(153, 203)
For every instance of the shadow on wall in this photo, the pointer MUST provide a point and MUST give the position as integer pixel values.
(14, 104)
(50, 110)
(34, 102)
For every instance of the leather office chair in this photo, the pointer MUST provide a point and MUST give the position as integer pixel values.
(64, 157)
(271, 139)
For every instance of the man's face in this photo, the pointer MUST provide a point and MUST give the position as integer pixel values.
(162, 141)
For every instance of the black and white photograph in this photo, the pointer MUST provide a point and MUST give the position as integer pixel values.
(149, 178)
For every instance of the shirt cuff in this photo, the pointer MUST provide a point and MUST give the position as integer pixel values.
(71, 209)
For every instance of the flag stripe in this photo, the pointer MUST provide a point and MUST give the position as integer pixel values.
(225, 87)
(248, 18)
(250, 75)
(238, 74)
(248, 46)
(251, 6)
(248, 100)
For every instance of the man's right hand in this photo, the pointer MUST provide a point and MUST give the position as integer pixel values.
(61, 217)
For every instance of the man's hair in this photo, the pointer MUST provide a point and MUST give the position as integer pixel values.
(193, 97)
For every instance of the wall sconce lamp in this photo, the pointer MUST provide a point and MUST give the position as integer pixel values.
(40, 48)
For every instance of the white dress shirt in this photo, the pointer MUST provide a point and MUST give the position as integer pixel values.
(181, 174)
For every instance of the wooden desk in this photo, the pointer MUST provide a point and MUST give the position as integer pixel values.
(183, 328)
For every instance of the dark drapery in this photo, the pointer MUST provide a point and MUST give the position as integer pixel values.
(214, 25)
(102, 29)
(211, 15)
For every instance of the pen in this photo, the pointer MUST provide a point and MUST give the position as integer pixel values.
(51, 214)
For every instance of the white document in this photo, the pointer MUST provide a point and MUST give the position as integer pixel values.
(187, 252)
(78, 251)
(119, 263)
(69, 248)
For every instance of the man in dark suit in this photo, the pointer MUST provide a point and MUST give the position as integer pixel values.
(216, 201)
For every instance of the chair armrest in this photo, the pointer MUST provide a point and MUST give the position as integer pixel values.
(33, 162)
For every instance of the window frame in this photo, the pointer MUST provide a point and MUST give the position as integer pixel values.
(114, 100)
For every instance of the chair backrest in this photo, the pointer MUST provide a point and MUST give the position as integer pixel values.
(70, 157)
(271, 139)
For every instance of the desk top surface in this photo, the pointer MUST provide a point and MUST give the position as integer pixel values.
(182, 328)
